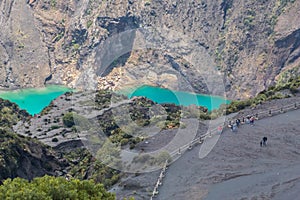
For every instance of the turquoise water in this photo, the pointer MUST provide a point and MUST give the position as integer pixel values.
(34, 100)
(161, 95)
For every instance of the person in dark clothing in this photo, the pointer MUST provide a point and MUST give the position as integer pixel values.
(243, 120)
(263, 142)
(252, 121)
(231, 127)
(238, 121)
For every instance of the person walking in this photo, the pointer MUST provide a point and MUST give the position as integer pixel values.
(263, 142)
(220, 129)
(243, 120)
(238, 121)
(234, 127)
(252, 121)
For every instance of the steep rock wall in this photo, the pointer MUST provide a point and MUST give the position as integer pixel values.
(249, 43)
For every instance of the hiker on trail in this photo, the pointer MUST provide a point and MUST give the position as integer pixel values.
(252, 121)
(263, 142)
(238, 121)
(231, 126)
(248, 119)
(243, 120)
(220, 128)
(234, 127)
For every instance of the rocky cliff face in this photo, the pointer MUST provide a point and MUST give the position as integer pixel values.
(21, 156)
(190, 45)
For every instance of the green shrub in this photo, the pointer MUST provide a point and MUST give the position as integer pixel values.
(54, 127)
(161, 158)
(49, 187)
(132, 146)
(68, 119)
(53, 3)
(89, 23)
(124, 141)
(143, 158)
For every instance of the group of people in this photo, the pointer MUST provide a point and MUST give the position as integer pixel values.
(245, 120)
(248, 120)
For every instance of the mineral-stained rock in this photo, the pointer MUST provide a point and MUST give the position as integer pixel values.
(239, 46)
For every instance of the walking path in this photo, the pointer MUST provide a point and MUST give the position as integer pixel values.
(237, 161)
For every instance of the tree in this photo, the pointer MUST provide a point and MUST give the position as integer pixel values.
(68, 119)
(53, 188)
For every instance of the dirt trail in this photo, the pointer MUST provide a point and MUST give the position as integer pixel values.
(238, 168)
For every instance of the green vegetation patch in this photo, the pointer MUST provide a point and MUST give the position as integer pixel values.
(10, 113)
(121, 124)
(274, 92)
(71, 119)
(48, 188)
(84, 165)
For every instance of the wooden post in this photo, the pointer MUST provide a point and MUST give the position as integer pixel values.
(190, 146)
(157, 184)
(154, 192)
(281, 110)
(161, 175)
(200, 140)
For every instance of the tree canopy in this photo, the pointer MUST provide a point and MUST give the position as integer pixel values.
(53, 188)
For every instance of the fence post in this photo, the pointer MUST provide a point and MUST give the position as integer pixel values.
(209, 134)
(281, 110)
(161, 176)
(200, 140)
(190, 146)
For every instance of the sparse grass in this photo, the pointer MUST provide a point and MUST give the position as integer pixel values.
(89, 23)
(53, 3)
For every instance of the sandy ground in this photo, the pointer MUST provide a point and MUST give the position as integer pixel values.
(238, 168)
(140, 185)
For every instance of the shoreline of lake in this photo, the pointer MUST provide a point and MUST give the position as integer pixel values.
(165, 95)
(34, 100)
